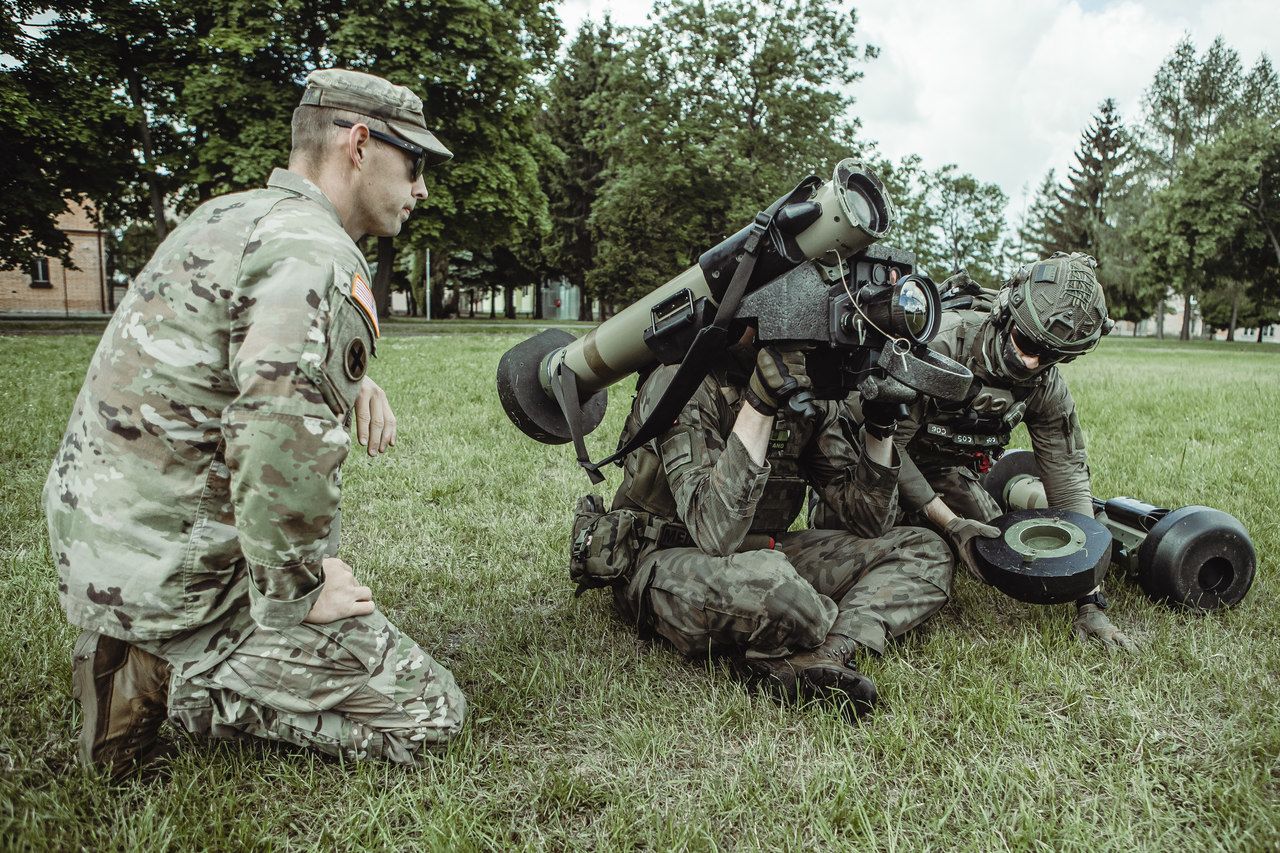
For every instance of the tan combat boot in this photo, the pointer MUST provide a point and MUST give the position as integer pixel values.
(122, 692)
(820, 674)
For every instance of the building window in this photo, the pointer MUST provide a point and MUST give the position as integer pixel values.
(40, 273)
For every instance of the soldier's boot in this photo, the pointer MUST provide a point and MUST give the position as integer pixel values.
(823, 673)
(122, 692)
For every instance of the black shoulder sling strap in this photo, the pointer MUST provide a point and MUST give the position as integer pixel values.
(707, 345)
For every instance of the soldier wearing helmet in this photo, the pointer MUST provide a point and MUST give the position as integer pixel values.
(1050, 312)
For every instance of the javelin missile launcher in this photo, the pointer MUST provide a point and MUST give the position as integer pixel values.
(804, 273)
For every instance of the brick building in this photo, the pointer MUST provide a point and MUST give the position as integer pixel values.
(46, 286)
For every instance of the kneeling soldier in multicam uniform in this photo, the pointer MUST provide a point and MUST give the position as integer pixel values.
(193, 503)
(1050, 312)
(715, 570)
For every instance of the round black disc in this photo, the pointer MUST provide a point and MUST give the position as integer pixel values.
(1197, 557)
(532, 409)
(1045, 556)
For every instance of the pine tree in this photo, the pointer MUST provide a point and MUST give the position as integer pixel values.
(1191, 101)
(1101, 177)
(1261, 94)
(1036, 231)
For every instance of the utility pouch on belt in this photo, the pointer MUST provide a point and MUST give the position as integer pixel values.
(604, 544)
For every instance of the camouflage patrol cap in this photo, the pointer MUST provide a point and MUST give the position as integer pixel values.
(372, 96)
(1058, 303)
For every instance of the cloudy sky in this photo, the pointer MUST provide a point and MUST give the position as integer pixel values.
(1003, 87)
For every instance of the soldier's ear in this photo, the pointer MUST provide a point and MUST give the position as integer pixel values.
(355, 145)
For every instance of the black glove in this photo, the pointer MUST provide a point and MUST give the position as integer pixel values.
(880, 417)
(780, 375)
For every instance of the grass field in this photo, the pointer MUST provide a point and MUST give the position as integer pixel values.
(997, 731)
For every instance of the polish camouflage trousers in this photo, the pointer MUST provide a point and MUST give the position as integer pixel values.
(356, 688)
(772, 603)
(961, 490)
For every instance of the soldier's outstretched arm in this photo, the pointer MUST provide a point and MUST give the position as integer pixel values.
(914, 491)
(860, 486)
(1058, 442)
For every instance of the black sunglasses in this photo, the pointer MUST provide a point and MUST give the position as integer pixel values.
(1032, 347)
(418, 154)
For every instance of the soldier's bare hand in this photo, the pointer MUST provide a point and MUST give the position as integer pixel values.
(1091, 622)
(375, 422)
(341, 597)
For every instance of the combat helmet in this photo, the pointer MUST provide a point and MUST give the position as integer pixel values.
(1054, 308)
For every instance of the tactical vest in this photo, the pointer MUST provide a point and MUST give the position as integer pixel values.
(645, 487)
(983, 422)
(985, 419)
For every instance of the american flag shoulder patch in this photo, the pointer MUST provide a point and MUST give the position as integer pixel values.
(362, 293)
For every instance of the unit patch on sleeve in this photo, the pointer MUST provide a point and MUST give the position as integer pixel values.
(362, 293)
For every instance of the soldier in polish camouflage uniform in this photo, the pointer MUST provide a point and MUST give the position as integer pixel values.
(1049, 312)
(719, 573)
(193, 504)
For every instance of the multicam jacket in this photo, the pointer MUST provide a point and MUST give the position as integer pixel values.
(198, 479)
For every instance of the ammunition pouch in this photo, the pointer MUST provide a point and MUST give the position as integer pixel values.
(607, 545)
(943, 439)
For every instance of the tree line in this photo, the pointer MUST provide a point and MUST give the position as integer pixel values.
(615, 157)
(1184, 204)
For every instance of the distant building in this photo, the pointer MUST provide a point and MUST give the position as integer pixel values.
(1270, 334)
(1173, 308)
(560, 301)
(46, 286)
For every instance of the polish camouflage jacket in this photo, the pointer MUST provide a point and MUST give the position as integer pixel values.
(699, 474)
(939, 435)
(198, 479)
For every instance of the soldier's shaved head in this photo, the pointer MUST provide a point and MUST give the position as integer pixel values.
(315, 136)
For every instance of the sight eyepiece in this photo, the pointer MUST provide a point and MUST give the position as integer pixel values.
(909, 309)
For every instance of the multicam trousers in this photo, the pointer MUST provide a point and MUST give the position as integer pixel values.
(356, 688)
(772, 603)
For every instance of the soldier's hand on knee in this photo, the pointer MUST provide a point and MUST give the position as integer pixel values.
(962, 532)
(780, 375)
(341, 597)
(1092, 622)
(375, 422)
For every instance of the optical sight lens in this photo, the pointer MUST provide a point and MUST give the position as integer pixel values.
(915, 308)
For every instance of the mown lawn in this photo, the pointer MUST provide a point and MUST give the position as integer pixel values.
(997, 731)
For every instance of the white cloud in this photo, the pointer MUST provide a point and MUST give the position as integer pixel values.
(1003, 88)
(626, 14)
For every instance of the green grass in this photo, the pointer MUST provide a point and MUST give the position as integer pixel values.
(998, 730)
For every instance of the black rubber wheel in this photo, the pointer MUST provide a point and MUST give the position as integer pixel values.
(1197, 557)
(1013, 463)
